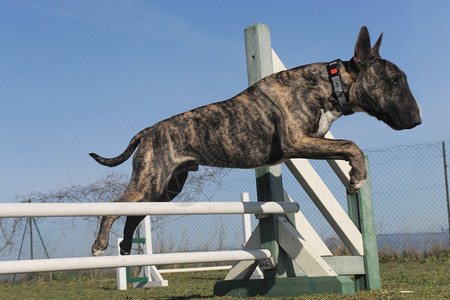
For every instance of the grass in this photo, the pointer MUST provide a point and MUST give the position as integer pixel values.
(405, 278)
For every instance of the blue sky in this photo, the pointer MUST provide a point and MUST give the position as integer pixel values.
(85, 76)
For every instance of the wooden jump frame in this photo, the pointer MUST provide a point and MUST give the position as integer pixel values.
(302, 262)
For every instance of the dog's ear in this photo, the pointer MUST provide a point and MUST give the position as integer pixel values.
(362, 47)
(376, 48)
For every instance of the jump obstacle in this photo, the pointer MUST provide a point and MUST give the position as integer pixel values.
(292, 256)
(150, 276)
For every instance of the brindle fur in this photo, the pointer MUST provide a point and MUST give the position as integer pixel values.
(283, 116)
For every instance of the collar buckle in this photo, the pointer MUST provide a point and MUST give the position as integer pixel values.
(338, 91)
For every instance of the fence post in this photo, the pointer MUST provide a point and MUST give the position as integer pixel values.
(446, 185)
(360, 210)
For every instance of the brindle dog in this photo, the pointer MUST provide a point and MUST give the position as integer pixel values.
(284, 115)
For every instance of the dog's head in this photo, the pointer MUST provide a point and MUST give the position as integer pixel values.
(380, 87)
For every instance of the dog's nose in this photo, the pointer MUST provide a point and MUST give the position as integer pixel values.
(417, 120)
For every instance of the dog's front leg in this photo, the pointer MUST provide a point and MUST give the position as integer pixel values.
(321, 148)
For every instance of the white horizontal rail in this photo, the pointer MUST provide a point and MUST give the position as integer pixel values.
(23, 210)
(199, 269)
(85, 263)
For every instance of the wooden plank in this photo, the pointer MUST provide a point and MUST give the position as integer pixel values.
(306, 230)
(149, 272)
(269, 185)
(342, 265)
(327, 204)
(242, 270)
(258, 52)
(246, 221)
(285, 287)
(360, 209)
(346, 265)
(252, 243)
(121, 272)
(278, 65)
(87, 263)
(301, 252)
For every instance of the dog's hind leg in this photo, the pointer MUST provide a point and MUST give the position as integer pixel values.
(173, 188)
(130, 226)
(101, 243)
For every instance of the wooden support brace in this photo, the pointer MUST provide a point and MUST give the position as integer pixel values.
(242, 270)
(306, 230)
(327, 204)
(301, 252)
(246, 269)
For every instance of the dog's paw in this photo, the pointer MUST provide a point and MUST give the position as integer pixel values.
(97, 252)
(124, 252)
(125, 247)
(355, 186)
(357, 179)
(98, 249)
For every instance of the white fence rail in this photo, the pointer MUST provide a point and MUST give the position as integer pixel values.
(23, 210)
(84, 263)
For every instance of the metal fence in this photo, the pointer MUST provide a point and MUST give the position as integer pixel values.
(408, 187)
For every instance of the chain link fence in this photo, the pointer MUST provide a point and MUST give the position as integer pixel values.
(409, 196)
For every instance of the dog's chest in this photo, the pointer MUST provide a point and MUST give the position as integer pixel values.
(325, 121)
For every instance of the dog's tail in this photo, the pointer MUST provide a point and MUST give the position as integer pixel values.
(115, 161)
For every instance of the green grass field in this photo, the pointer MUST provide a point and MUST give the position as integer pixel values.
(401, 279)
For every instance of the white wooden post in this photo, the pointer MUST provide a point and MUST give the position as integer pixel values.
(121, 272)
(151, 272)
(246, 221)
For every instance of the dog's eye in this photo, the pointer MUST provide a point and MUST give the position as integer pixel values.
(394, 81)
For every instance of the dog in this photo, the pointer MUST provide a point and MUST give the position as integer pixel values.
(284, 115)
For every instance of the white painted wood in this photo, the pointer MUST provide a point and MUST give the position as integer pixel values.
(306, 230)
(253, 242)
(327, 204)
(151, 272)
(23, 210)
(243, 270)
(150, 283)
(342, 265)
(277, 63)
(301, 252)
(148, 249)
(346, 265)
(121, 272)
(86, 263)
(199, 269)
(246, 221)
(147, 233)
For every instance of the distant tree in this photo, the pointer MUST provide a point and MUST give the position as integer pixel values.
(106, 189)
